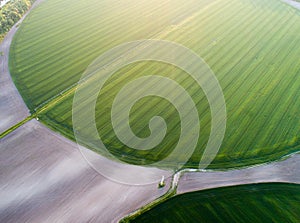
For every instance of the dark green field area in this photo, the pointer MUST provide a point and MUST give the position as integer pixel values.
(247, 203)
(252, 46)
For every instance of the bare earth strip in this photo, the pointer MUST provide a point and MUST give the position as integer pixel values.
(282, 171)
(12, 107)
(293, 3)
(44, 178)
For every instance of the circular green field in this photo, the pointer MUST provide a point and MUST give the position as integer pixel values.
(252, 46)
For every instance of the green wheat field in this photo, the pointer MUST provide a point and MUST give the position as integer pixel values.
(253, 48)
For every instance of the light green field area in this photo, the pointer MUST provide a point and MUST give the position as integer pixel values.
(253, 48)
(247, 203)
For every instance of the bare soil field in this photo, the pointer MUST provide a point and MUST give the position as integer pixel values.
(44, 178)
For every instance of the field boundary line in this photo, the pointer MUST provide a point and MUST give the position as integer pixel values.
(13, 128)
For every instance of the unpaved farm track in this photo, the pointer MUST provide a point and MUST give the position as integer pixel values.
(12, 107)
(286, 171)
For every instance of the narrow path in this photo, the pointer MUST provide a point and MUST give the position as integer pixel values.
(12, 107)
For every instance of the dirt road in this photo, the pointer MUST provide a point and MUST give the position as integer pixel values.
(280, 171)
(12, 107)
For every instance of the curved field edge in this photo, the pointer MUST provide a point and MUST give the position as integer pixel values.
(271, 202)
(247, 143)
(215, 165)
